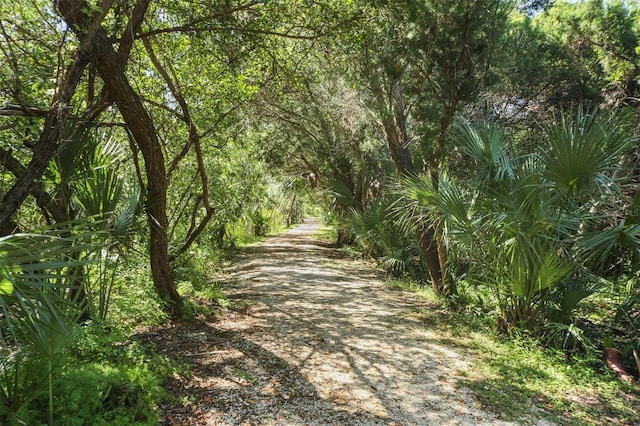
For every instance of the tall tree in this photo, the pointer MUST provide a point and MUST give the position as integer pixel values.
(139, 57)
(111, 66)
(55, 116)
(581, 51)
(331, 137)
(424, 60)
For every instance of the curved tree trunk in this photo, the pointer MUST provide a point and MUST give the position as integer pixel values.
(49, 141)
(110, 65)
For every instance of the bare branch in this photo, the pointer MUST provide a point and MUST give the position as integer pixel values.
(157, 104)
(23, 111)
(289, 33)
(193, 141)
(45, 202)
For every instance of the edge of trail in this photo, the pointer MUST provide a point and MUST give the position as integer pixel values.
(314, 338)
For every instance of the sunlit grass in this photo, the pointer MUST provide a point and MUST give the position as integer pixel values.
(326, 233)
(520, 380)
(424, 291)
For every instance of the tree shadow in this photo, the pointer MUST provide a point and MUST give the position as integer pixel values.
(314, 338)
(233, 380)
(343, 314)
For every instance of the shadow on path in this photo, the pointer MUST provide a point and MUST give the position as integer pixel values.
(316, 339)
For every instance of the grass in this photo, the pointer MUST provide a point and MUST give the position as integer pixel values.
(104, 377)
(425, 292)
(327, 234)
(521, 380)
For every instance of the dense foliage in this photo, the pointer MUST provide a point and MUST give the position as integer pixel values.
(485, 147)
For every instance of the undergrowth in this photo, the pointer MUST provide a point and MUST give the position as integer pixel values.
(106, 378)
(520, 379)
(326, 234)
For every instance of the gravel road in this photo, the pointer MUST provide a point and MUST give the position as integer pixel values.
(315, 338)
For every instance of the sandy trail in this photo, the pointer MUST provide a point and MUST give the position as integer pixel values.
(317, 339)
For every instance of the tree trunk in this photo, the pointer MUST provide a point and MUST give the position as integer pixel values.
(396, 133)
(143, 130)
(49, 141)
(448, 287)
(110, 65)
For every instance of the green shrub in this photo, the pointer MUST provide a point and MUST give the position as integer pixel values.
(104, 394)
(108, 380)
(134, 300)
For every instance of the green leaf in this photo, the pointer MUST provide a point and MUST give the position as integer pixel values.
(582, 148)
(6, 275)
(6, 286)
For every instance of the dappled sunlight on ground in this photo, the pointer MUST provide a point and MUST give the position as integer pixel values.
(342, 329)
(314, 338)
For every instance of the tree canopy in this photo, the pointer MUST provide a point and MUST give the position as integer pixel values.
(207, 116)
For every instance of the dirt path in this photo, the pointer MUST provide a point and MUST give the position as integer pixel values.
(317, 340)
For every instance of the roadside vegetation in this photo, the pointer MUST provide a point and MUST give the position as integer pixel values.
(486, 149)
(520, 377)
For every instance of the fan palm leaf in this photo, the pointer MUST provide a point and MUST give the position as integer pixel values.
(582, 149)
(489, 147)
(597, 246)
(37, 316)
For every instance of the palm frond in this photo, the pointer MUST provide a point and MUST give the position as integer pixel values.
(342, 195)
(100, 192)
(37, 271)
(41, 261)
(583, 148)
(597, 246)
(488, 146)
(567, 336)
(535, 265)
